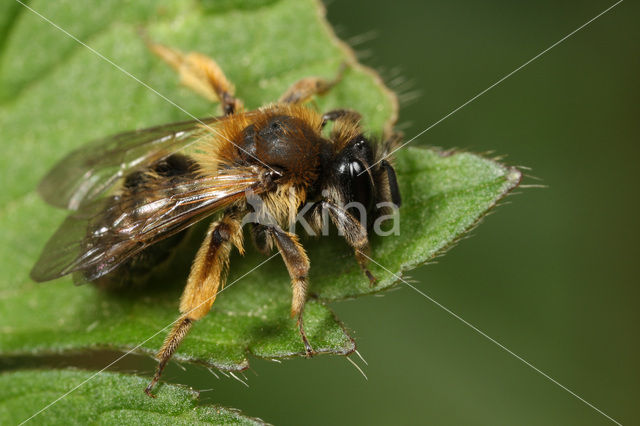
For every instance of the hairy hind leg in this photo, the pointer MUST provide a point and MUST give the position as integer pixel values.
(207, 276)
(302, 90)
(201, 74)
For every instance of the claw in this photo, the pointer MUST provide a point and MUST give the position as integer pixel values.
(372, 279)
(147, 390)
(309, 352)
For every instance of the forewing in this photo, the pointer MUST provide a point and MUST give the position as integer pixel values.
(103, 234)
(92, 170)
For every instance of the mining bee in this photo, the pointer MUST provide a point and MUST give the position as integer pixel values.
(143, 188)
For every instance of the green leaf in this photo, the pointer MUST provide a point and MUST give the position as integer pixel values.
(106, 398)
(56, 95)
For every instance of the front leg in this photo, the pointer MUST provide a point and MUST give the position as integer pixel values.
(354, 233)
(297, 264)
(348, 115)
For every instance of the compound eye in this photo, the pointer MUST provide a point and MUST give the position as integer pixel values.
(361, 188)
(363, 148)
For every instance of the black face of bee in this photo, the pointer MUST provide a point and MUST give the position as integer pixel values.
(354, 180)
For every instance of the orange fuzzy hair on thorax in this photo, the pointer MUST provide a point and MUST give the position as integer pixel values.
(243, 138)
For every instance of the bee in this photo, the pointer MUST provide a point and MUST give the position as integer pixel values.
(131, 196)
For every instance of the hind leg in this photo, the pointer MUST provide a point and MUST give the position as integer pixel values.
(207, 277)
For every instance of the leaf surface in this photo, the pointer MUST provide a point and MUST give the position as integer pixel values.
(106, 398)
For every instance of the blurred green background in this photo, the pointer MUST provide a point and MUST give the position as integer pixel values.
(552, 276)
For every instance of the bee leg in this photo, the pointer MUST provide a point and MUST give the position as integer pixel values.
(201, 74)
(261, 238)
(354, 233)
(180, 329)
(348, 115)
(346, 122)
(206, 277)
(302, 90)
(297, 264)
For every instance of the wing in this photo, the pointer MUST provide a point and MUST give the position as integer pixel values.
(101, 235)
(92, 170)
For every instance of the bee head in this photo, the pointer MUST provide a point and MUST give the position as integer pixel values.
(363, 180)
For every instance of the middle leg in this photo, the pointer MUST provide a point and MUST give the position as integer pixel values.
(297, 264)
(201, 74)
(302, 90)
